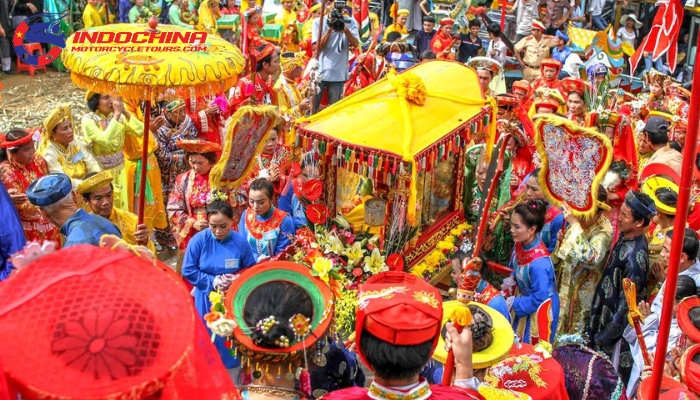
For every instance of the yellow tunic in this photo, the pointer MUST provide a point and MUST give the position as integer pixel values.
(288, 100)
(106, 140)
(76, 161)
(93, 17)
(155, 215)
(207, 19)
(306, 30)
(395, 28)
(285, 17)
(127, 222)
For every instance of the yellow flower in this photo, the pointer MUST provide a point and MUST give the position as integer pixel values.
(455, 232)
(450, 239)
(374, 263)
(334, 245)
(445, 245)
(323, 267)
(215, 297)
(354, 253)
(419, 269)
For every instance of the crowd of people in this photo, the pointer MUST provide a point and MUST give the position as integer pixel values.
(557, 325)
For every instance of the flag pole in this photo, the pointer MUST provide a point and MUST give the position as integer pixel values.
(677, 243)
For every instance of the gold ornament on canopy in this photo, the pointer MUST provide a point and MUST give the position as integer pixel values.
(133, 70)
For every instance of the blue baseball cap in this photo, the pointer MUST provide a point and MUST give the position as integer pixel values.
(563, 36)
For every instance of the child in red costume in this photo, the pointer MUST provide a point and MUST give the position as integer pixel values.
(550, 68)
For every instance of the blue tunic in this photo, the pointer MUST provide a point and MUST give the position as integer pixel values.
(11, 233)
(550, 231)
(276, 239)
(84, 228)
(205, 258)
(536, 284)
(290, 204)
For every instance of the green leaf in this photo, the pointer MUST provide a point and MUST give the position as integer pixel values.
(313, 272)
(219, 308)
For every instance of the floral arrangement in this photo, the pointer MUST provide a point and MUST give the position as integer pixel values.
(339, 257)
(440, 256)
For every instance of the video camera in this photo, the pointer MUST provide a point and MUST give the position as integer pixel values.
(337, 20)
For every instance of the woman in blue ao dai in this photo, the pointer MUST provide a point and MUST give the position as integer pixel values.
(533, 273)
(267, 229)
(212, 258)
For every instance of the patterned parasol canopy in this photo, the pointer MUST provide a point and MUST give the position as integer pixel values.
(116, 59)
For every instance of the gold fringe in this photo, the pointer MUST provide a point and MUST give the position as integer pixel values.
(269, 112)
(552, 119)
(147, 92)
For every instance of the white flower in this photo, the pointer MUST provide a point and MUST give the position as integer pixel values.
(222, 327)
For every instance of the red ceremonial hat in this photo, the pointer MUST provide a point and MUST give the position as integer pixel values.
(575, 85)
(550, 62)
(683, 317)
(670, 389)
(199, 146)
(522, 85)
(263, 51)
(507, 100)
(398, 308)
(447, 21)
(690, 370)
(536, 374)
(90, 322)
(11, 144)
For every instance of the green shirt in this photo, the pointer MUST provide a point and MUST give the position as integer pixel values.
(174, 15)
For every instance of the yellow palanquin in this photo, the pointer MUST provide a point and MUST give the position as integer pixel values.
(406, 134)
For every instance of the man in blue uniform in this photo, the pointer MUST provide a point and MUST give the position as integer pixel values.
(54, 194)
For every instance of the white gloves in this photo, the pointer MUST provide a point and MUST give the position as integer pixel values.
(223, 281)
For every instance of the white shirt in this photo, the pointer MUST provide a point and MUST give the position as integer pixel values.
(525, 12)
(572, 65)
(596, 7)
(497, 50)
(626, 36)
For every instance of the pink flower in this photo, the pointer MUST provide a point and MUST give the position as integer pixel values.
(357, 272)
(98, 344)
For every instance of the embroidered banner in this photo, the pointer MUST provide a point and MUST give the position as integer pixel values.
(574, 162)
(245, 139)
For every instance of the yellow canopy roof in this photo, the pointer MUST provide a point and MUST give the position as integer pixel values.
(374, 117)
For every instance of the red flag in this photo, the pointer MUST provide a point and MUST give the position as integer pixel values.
(663, 36)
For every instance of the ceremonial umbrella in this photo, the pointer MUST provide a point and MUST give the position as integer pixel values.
(118, 60)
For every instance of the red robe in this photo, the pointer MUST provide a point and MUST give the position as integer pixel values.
(553, 84)
(208, 126)
(440, 43)
(438, 392)
(263, 93)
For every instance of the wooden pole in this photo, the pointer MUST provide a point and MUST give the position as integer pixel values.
(144, 157)
(677, 243)
(317, 51)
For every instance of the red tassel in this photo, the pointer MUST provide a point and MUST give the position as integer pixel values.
(305, 383)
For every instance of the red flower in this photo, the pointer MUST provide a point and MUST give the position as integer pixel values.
(357, 272)
(313, 255)
(317, 213)
(395, 262)
(98, 344)
(313, 189)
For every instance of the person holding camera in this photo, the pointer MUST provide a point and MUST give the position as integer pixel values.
(339, 34)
